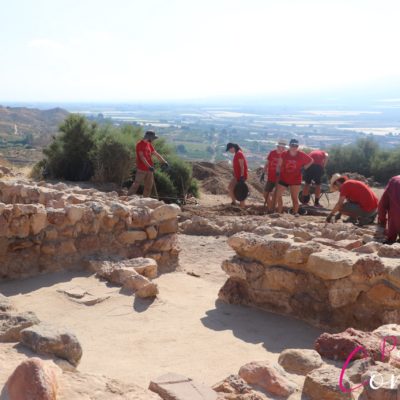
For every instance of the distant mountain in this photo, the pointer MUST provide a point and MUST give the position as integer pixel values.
(21, 121)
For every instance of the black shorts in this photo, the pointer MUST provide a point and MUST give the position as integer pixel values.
(269, 186)
(314, 173)
(282, 183)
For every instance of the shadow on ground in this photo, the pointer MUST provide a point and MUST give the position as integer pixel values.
(24, 286)
(275, 332)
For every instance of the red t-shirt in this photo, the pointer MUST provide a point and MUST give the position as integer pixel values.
(273, 158)
(358, 192)
(147, 149)
(318, 156)
(292, 165)
(236, 166)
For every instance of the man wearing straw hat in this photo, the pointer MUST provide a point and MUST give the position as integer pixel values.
(357, 201)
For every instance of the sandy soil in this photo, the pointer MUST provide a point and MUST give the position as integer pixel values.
(184, 330)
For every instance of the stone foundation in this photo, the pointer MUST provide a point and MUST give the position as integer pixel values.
(330, 282)
(46, 227)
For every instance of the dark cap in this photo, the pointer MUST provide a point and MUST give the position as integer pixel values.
(294, 142)
(151, 135)
(229, 146)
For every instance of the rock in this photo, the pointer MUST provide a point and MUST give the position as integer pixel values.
(357, 368)
(389, 330)
(176, 387)
(149, 290)
(48, 339)
(280, 235)
(382, 384)
(74, 213)
(5, 303)
(338, 346)
(329, 264)
(349, 244)
(143, 266)
(278, 278)
(392, 251)
(302, 233)
(368, 248)
(342, 292)
(323, 384)
(12, 323)
(151, 232)
(254, 247)
(165, 212)
(33, 380)
(130, 237)
(169, 226)
(368, 267)
(38, 221)
(232, 384)
(385, 294)
(269, 376)
(300, 361)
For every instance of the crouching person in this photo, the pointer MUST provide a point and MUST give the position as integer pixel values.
(357, 201)
(389, 210)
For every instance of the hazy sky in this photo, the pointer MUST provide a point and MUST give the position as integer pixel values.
(121, 50)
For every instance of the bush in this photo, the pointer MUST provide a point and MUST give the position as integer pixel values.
(67, 157)
(106, 153)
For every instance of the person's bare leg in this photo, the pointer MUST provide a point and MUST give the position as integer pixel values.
(317, 193)
(231, 187)
(243, 204)
(294, 193)
(306, 189)
(279, 193)
(268, 200)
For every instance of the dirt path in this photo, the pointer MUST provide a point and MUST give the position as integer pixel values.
(184, 330)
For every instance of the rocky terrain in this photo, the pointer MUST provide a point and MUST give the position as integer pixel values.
(142, 307)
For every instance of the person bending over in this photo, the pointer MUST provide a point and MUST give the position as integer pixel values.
(357, 201)
(144, 164)
(315, 174)
(240, 170)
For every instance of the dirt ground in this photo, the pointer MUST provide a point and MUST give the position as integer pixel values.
(184, 330)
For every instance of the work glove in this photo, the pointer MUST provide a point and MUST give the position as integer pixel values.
(166, 164)
(151, 169)
(337, 217)
(329, 218)
(262, 177)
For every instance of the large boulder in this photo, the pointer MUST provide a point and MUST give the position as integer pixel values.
(165, 212)
(12, 323)
(300, 361)
(33, 379)
(328, 264)
(338, 346)
(323, 384)
(269, 376)
(48, 339)
(392, 251)
(176, 387)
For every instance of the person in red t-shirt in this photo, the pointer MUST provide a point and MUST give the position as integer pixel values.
(270, 169)
(144, 164)
(289, 168)
(240, 170)
(315, 174)
(361, 205)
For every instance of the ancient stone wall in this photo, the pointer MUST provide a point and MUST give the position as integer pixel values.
(46, 227)
(335, 277)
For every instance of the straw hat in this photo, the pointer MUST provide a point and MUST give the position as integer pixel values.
(281, 142)
(334, 178)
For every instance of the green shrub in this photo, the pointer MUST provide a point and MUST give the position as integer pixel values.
(164, 188)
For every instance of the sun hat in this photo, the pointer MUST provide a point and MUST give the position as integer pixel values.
(333, 180)
(150, 135)
(281, 142)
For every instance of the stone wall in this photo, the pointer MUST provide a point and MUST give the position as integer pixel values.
(334, 277)
(46, 227)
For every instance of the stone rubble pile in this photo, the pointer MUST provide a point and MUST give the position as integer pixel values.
(334, 276)
(45, 227)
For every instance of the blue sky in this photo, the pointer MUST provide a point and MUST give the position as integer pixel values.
(128, 50)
